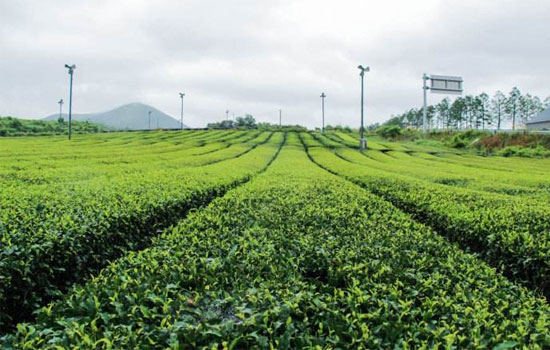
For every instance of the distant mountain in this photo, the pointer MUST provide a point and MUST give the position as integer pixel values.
(133, 116)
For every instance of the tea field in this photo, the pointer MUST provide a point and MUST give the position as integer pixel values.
(269, 240)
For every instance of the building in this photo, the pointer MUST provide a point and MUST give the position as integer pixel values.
(540, 122)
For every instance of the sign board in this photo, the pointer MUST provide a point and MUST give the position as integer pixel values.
(443, 84)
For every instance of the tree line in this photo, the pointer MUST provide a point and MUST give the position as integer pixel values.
(249, 122)
(475, 112)
(10, 126)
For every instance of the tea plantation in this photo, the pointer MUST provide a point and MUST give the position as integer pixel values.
(269, 240)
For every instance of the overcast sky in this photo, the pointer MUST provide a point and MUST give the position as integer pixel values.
(258, 56)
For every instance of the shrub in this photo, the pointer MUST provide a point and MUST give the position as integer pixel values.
(389, 131)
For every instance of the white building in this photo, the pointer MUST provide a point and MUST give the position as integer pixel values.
(540, 122)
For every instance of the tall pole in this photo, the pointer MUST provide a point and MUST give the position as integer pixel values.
(181, 121)
(323, 110)
(71, 71)
(362, 141)
(425, 88)
(150, 119)
(227, 115)
(60, 108)
(280, 118)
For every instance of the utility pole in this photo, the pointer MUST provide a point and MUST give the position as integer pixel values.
(150, 119)
(227, 115)
(425, 88)
(60, 109)
(181, 96)
(323, 109)
(362, 141)
(280, 118)
(71, 71)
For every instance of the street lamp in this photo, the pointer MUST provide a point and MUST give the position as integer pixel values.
(363, 141)
(323, 109)
(181, 96)
(150, 119)
(60, 108)
(71, 71)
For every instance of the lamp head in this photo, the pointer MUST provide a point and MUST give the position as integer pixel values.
(70, 68)
(323, 95)
(182, 94)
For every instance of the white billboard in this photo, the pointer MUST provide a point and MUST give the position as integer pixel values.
(443, 84)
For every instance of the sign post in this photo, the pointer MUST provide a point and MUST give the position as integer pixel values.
(439, 84)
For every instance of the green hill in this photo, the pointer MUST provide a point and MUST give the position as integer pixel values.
(132, 116)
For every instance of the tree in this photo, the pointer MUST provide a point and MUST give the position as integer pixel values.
(442, 110)
(430, 115)
(247, 121)
(457, 112)
(546, 103)
(225, 124)
(512, 105)
(470, 110)
(396, 120)
(529, 106)
(498, 105)
(484, 110)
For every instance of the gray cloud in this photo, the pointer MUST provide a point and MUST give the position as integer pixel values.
(256, 57)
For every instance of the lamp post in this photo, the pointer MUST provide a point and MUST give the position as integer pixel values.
(60, 109)
(150, 119)
(362, 141)
(181, 96)
(323, 109)
(71, 71)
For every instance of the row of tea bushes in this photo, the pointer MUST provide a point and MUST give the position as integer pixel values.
(510, 233)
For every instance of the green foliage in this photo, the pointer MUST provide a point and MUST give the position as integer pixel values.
(518, 151)
(310, 245)
(246, 122)
(389, 131)
(10, 126)
(296, 258)
(507, 227)
(64, 224)
(486, 143)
